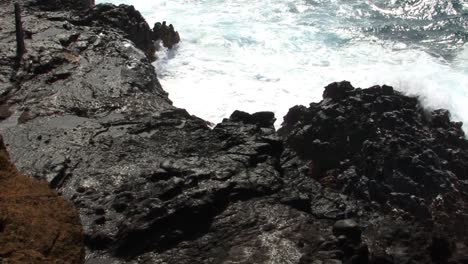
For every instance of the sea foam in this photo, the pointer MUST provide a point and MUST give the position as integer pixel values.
(274, 54)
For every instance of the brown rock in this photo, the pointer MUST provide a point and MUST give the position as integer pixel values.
(36, 225)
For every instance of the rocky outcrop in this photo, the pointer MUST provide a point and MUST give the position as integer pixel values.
(57, 5)
(364, 176)
(382, 150)
(36, 226)
(130, 21)
(378, 145)
(133, 26)
(166, 34)
(74, 67)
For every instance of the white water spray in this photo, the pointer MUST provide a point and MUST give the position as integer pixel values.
(274, 54)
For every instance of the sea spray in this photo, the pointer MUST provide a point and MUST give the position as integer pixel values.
(273, 54)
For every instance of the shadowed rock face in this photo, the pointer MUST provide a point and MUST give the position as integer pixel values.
(130, 21)
(154, 184)
(36, 226)
(55, 5)
(166, 34)
(378, 145)
(388, 153)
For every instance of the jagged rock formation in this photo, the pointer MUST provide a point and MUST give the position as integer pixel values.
(36, 226)
(382, 150)
(378, 145)
(166, 34)
(56, 5)
(73, 67)
(130, 21)
(365, 176)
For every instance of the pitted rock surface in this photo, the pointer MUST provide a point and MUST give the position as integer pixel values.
(378, 149)
(154, 184)
(165, 33)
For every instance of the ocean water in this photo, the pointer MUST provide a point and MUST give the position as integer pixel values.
(274, 54)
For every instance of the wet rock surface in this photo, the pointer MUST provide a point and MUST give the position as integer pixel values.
(347, 228)
(166, 34)
(127, 19)
(380, 150)
(364, 176)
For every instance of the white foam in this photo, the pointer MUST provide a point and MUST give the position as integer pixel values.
(270, 55)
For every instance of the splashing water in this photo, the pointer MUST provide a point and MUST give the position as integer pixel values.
(274, 54)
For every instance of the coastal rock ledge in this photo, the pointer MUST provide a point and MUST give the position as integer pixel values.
(364, 176)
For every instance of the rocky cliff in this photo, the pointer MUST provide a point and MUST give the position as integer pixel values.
(364, 176)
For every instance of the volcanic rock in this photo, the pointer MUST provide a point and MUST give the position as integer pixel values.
(86, 113)
(381, 146)
(348, 228)
(130, 21)
(166, 34)
(337, 90)
(383, 149)
(55, 5)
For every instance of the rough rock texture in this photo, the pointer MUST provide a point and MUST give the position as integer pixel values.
(75, 68)
(36, 226)
(54, 5)
(382, 152)
(127, 19)
(166, 34)
(154, 184)
(380, 146)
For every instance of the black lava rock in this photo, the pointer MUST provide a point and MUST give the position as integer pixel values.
(348, 228)
(85, 112)
(166, 34)
(337, 90)
(129, 21)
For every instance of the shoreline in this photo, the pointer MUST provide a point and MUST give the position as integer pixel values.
(363, 176)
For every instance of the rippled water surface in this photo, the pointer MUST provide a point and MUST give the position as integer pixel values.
(273, 54)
